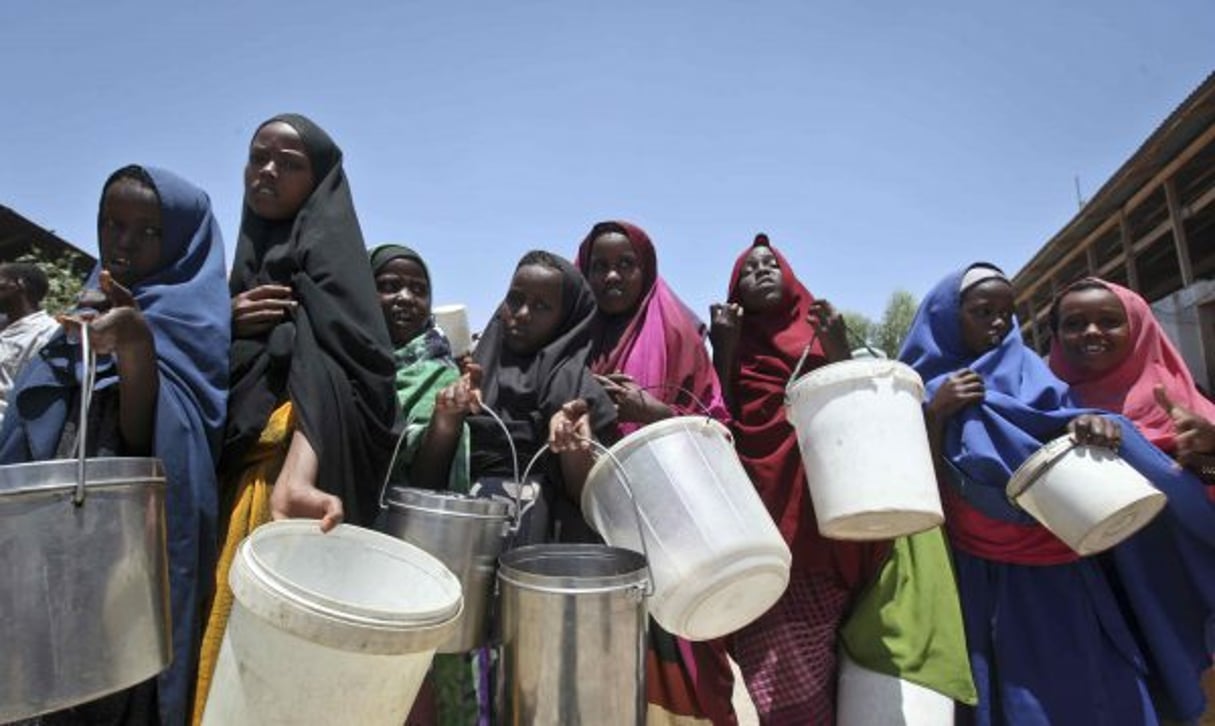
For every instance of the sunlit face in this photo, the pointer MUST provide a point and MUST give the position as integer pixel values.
(615, 274)
(531, 312)
(129, 231)
(1094, 331)
(760, 282)
(987, 313)
(405, 298)
(278, 174)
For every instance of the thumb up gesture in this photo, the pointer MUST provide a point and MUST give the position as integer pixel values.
(1195, 434)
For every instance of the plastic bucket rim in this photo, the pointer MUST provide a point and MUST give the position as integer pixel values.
(1039, 463)
(622, 448)
(315, 602)
(831, 374)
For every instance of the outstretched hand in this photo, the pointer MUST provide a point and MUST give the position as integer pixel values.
(119, 326)
(570, 428)
(1195, 434)
(833, 331)
(462, 397)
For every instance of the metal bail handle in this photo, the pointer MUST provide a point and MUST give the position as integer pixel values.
(628, 489)
(88, 379)
(514, 454)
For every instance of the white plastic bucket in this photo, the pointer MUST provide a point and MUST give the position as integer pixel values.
(869, 698)
(865, 449)
(1086, 495)
(337, 627)
(453, 321)
(717, 559)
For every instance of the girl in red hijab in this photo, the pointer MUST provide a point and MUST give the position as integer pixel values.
(788, 655)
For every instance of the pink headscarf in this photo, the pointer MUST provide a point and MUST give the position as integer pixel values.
(662, 345)
(1128, 387)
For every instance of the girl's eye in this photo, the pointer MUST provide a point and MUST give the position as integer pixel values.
(151, 232)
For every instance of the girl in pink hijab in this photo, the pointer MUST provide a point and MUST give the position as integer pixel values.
(648, 353)
(1111, 350)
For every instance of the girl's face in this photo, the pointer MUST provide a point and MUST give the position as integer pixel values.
(278, 174)
(615, 274)
(405, 298)
(130, 231)
(760, 283)
(1094, 332)
(987, 313)
(531, 312)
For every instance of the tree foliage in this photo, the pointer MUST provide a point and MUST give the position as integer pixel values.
(886, 335)
(896, 321)
(64, 275)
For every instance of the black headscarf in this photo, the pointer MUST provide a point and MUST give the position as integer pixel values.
(331, 357)
(526, 390)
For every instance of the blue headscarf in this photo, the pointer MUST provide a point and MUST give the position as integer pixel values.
(1025, 405)
(186, 305)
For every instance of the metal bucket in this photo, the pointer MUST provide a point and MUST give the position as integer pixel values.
(84, 591)
(466, 534)
(573, 635)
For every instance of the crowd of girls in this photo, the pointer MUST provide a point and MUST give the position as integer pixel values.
(283, 392)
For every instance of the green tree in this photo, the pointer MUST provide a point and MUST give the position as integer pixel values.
(896, 321)
(860, 328)
(65, 274)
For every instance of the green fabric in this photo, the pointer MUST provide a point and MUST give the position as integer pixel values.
(908, 623)
(419, 378)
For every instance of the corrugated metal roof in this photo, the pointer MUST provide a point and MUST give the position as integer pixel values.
(1188, 121)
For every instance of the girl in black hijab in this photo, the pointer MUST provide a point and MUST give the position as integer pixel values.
(531, 369)
(311, 408)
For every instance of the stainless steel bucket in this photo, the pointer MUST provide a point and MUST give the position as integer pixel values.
(573, 632)
(466, 534)
(84, 591)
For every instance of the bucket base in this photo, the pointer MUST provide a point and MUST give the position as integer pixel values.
(736, 594)
(1121, 524)
(874, 525)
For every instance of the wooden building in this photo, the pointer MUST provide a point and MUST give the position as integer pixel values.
(1150, 227)
(19, 236)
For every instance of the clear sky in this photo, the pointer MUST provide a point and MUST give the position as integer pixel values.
(880, 144)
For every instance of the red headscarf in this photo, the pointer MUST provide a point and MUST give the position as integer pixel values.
(1128, 387)
(662, 344)
(770, 344)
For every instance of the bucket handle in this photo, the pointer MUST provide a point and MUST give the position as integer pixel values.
(88, 379)
(514, 454)
(797, 369)
(704, 409)
(624, 480)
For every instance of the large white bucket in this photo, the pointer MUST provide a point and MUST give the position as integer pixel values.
(869, 698)
(865, 449)
(717, 559)
(337, 627)
(1086, 495)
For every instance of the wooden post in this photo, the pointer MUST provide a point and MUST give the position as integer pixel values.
(1179, 238)
(1128, 251)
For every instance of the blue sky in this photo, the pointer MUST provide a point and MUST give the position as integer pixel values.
(879, 144)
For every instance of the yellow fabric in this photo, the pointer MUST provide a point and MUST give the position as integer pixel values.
(250, 511)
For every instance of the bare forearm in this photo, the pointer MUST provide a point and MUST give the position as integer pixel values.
(138, 386)
(431, 465)
(575, 466)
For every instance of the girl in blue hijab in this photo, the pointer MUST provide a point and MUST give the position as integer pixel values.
(161, 331)
(1048, 643)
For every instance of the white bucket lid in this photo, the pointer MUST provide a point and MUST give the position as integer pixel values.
(347, 582)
